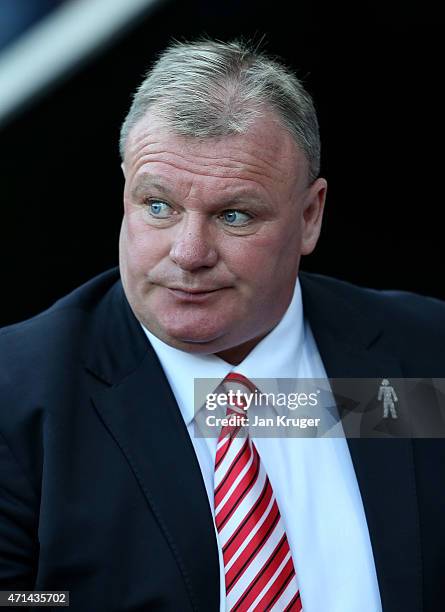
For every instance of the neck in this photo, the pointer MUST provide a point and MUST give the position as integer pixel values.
(236, 354)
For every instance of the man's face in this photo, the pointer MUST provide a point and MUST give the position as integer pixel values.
(213, 231)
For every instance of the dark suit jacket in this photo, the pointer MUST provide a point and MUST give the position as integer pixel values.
(101, 492)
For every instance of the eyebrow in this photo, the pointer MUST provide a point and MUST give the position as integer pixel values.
(149, 182)
(242, 196)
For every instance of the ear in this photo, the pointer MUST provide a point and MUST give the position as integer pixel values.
(313, 208)
(123, 169)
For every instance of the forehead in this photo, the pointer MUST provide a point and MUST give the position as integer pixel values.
(265, 152)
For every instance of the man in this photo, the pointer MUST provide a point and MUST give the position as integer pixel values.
(107, 491)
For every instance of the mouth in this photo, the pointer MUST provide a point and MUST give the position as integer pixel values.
(193, 295)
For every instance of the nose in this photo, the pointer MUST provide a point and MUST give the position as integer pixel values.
(192, 248)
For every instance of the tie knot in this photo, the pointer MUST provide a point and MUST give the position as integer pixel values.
(234, 380)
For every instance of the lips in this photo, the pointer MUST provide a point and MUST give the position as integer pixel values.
(192, 295)
(193, 291)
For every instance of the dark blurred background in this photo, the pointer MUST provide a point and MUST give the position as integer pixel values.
(375, 71)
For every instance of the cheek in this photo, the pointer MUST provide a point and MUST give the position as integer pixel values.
(143, 245)
(262, 260)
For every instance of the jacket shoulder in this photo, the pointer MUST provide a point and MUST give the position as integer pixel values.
(406, 316)
(67, 319)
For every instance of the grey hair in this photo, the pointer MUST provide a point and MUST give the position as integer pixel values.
(209, 88)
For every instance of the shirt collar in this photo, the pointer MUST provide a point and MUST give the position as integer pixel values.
(275, 356)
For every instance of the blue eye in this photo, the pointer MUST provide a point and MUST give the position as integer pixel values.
(159, 209)
(235, 217)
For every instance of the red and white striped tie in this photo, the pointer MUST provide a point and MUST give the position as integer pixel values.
(258, 566)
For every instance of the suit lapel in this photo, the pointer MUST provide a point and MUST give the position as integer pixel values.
(139, 410)
(353, 347)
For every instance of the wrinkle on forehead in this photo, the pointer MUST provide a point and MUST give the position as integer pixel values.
(265, 150)
(218, 167)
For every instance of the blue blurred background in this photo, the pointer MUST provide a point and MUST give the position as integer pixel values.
(16, 16)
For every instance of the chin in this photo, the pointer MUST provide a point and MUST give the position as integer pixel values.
(196, 344)
(194, 338)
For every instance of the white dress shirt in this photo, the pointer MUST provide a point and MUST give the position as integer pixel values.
(313, 478)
